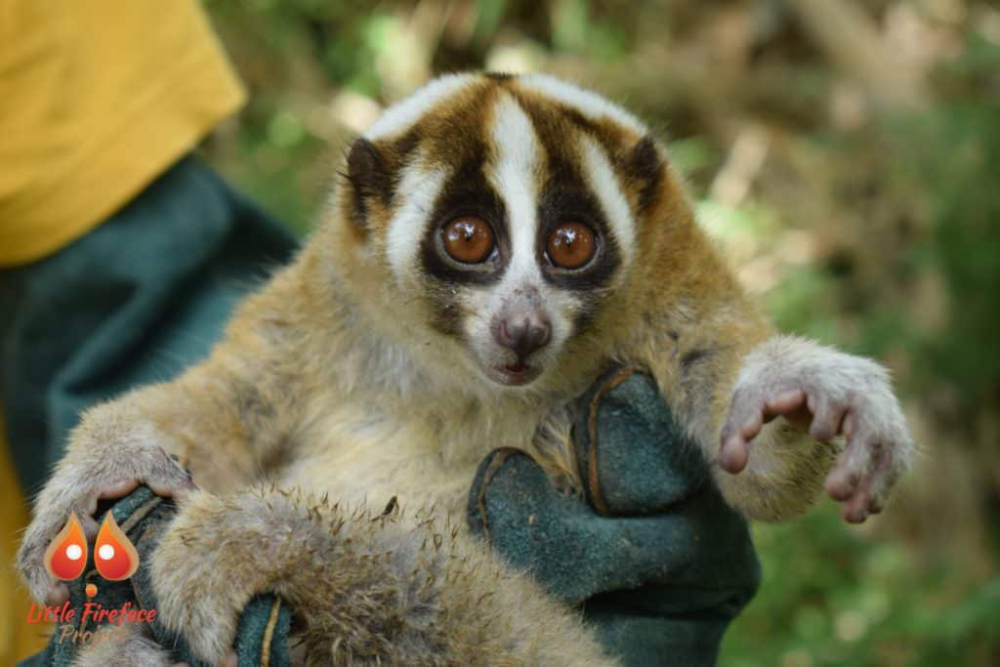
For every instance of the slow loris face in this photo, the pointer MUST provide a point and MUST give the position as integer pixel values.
(507, 209)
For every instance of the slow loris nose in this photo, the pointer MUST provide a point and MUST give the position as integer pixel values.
(523, 331)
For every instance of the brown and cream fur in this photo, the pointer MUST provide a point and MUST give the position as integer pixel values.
(364, 371)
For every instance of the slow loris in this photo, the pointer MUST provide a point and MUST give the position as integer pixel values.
(494, 243)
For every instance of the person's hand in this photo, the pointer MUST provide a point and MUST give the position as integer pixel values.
(658, 562)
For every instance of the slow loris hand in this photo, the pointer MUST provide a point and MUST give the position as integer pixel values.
(108, 457)
(827, 393)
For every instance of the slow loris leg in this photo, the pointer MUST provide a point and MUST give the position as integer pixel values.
(368, 589)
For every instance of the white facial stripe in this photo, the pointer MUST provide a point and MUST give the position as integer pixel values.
(604, 182)
(418, 189)
(589, 104)
(513, 175)
(401, 116)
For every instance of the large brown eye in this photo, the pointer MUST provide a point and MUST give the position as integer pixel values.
(571, 245)
(468, 239)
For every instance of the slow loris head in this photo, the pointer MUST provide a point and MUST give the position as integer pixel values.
(493, 217)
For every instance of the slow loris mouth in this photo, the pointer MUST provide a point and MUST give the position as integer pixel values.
(516, 374)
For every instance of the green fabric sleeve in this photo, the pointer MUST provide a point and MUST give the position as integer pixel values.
(135, 301)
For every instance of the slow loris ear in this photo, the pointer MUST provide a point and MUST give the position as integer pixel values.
(644, 166)
(369, 180)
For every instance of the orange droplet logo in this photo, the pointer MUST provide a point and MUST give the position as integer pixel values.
(66, 556)
(114, 554)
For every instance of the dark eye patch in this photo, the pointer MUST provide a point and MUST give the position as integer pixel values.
(565, 198)
(467, 192)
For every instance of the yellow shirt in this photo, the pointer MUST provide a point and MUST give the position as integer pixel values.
(18, 640)
(97, 98)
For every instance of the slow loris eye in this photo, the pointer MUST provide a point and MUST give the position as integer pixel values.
(571, 245)
(468, 239)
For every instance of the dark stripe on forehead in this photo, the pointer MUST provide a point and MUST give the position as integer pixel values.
(635, 158)
(612, 137)
(565, 196)
(457, 144)
(637, 161)
(404, 146)
(453, 132)
(553, 129)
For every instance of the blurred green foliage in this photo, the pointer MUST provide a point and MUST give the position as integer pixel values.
(851, 175)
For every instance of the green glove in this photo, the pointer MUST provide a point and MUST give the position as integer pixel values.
(658, 562)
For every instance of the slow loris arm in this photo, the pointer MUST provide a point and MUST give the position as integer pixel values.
(225, 419)
(763, 406)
